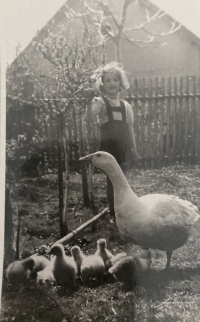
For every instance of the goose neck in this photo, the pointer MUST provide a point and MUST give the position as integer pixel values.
(118, 178)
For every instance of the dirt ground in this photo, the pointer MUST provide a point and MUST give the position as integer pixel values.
(158, 296)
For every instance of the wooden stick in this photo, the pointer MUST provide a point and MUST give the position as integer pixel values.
(82, 227)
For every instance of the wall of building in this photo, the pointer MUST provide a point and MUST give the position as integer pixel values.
(174, 55)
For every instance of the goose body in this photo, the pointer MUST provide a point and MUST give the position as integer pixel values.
(19, 271)
(102, 250)
(64, 267)
(92, 266)
(155, 221)
(40, 262)
(127, 269)
(46, 275)
(124, 270)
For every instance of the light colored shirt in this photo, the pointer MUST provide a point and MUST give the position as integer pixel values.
(99, 110)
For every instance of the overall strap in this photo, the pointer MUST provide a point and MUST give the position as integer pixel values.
(123, 109)
(110, 109)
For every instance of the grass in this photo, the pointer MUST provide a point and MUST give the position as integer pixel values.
(158, 296)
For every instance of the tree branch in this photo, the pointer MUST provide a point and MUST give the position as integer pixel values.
(150, 40)
(47, 56)
(156, 16)
(170, 32)
(108, 14)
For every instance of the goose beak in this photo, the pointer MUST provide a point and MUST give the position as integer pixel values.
(88, 158)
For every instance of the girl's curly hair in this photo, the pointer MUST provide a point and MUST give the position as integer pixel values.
(112, 67)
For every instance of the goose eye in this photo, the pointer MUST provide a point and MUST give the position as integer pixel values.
(99, 155)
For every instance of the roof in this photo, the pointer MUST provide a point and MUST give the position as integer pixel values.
(146, 3)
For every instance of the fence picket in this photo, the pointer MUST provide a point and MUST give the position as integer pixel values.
(162, 121)
(186, 110)
(193, 117)
(168, 121)
(142, 128)
(198, 124)
(149, 134)
(155, 111)
(174, 125)
(180, 134)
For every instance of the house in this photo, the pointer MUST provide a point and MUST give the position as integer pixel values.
(175, 55)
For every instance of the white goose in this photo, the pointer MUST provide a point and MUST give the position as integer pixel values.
(155, 221)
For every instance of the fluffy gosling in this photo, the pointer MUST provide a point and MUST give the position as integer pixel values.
(19, 271)
(102, 250)
(143, 261)
(89, 266)
(124, 270)
(64, 267)
(78, 257)
(114, 259)
(40, 263)
(46, 275)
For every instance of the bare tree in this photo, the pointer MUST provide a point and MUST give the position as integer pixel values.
(112, 27)
(58, 95)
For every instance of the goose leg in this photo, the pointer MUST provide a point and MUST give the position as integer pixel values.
(169, 256)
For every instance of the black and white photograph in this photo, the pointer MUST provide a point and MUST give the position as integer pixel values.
(100, 161)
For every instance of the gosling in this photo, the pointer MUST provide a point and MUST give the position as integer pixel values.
(124, 270)
(46, 275)
(64, 267)
(89, 266)
(143, 261)
(19, 271)
(78, 257)
(102, 250)
(114, 259)
(40, 263)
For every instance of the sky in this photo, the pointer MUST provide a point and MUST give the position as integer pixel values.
(23, 18)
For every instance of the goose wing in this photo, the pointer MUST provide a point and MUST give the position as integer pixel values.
(168, 221)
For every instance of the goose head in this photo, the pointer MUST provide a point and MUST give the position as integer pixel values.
(76, 252)
(108, 164)
(101, 160)
(57, 250)
(101, 243)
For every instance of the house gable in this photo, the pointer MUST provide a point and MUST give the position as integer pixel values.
(173, 55)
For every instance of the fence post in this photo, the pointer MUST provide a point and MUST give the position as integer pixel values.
(198, 111)
(174, 125)
(142, 122)
(193, 121)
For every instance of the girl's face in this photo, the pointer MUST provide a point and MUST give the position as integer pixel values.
(111, 83)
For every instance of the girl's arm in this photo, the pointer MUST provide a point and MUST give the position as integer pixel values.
(94, 109)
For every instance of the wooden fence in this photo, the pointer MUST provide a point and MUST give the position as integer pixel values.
(167, 120)
(166, 124)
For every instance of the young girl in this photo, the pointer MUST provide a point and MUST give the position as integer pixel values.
(115, 119)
